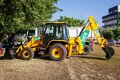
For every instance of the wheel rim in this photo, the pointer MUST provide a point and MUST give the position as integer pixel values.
(26, 54)
(57, 52)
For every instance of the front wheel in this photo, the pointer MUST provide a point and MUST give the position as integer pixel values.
(27, 54)
(57, 52)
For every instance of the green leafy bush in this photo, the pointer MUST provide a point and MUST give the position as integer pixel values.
(20, 40)
(116, 32)
(108, 34)
(112, 33)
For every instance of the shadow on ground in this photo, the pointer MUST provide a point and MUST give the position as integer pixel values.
(89, 57)
(41, 56)
(47, 57)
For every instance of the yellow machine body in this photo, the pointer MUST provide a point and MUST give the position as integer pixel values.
(73, 46)
(34, 43)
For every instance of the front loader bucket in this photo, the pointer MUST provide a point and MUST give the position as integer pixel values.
(109, 52)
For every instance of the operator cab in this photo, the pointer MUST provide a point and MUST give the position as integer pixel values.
(55, 31)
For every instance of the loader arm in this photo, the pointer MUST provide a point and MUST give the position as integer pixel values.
(92, 25)
(33, 43)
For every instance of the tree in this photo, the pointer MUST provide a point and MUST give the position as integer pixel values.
(112, 33)
(108, 34)
(71, 21)
(116, 32)
(19, 15)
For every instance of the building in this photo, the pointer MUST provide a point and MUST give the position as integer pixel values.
(112, 20)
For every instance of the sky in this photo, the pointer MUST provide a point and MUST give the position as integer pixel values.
(82, 9)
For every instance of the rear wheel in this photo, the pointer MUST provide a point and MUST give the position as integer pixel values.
(57, 52)
(27, 54)
(86, 50)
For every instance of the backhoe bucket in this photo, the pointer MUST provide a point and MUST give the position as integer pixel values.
(109, 52)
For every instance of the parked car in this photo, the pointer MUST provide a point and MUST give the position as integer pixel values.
(111, 42)
(118, 41)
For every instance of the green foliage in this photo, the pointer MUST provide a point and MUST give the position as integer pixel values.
(19, 15)
(20, 39)
(112, 33)
(71, 21)
(116, 31)
(118, 37)
(108, 34)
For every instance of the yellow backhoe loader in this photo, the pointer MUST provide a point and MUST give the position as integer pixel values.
(55, 41)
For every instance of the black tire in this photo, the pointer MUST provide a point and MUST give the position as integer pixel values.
(57, 52)
(12, 53)
(28, 54)
(86, 50)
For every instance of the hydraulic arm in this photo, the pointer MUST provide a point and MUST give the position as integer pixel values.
(92, 25)
(101, 40)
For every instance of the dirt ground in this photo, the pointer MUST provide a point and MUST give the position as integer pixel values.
(86, 67)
